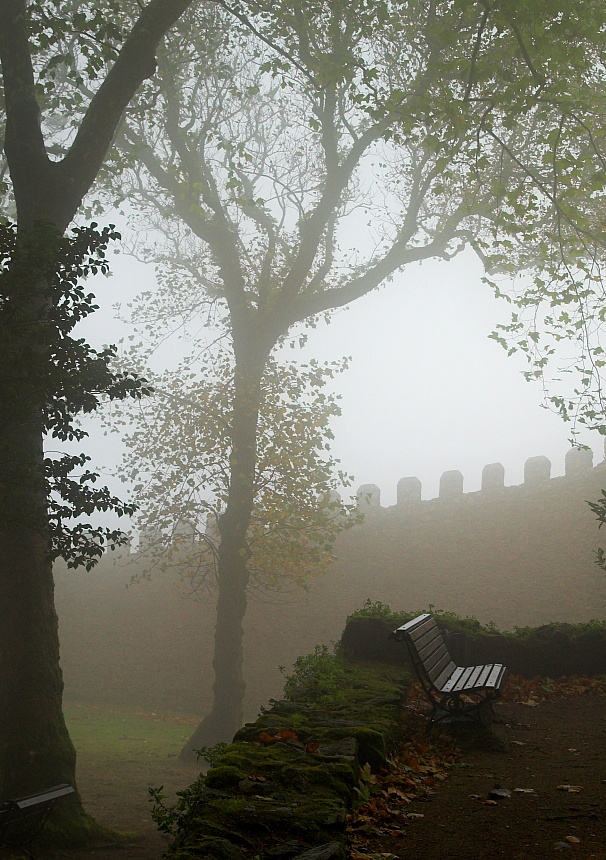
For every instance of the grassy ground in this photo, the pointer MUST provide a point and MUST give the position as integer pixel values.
(120, 753)
(120, 734)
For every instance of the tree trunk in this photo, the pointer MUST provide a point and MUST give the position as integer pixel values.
(35, 748)
(226, 715)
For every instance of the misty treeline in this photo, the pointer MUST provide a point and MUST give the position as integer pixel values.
(285, 161)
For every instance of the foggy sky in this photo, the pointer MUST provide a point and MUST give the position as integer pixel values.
(426, 392)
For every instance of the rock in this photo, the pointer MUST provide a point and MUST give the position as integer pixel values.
(496, 793)
(284, 849)
(219, 849)
(324, 852)
(345, 749)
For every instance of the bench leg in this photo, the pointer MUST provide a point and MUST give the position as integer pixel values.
(451, 709)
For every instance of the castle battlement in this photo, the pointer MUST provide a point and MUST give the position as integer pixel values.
(537, 477)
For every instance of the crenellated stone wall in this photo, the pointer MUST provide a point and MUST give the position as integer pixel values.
(537, 475)
(513, 555)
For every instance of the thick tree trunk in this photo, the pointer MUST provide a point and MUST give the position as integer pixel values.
(226, 715)
(35, 748)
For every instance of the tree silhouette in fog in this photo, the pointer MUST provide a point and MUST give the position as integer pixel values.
(300, 162)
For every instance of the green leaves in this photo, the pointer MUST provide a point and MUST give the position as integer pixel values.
(45, 369)
(181, 450)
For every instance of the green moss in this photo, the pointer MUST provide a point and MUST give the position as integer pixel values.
(372, 743)
(224, 777)
(302, 785)
(282, 815)
(64, 830)
(211, 848)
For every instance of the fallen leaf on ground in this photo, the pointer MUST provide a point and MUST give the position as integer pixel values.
(523, 791)
(571, 839)
(283, 735)
(533, 690)
(572, 789)
(490, 802)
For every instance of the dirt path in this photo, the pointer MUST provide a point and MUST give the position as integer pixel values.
(117, 797)
(547, 747)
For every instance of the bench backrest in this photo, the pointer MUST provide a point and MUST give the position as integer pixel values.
(427, 648)
(21, 820)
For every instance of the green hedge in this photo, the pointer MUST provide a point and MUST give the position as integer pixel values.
(554, 650)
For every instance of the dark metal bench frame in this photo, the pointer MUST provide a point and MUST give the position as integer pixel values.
(456, 693)
(22, 820)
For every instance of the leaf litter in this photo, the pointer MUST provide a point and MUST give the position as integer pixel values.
(413, 774)
(420, 767)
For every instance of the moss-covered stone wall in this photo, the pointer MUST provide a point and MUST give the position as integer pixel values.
(284, 787)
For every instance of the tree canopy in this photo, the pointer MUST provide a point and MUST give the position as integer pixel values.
(177, 453)
(309, 154)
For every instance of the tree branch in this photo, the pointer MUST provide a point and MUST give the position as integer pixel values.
(136, 62)
(24, 142)
(399, 255)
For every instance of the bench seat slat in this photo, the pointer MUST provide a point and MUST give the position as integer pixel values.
(443, 679)
(45, 796)
(452, 680)
(463, 679)
(495, 679)
(482, 679)
(470, 680)
(439, 667)
(413, 623)
(427, 629)
(474, 679)
(417, 626)
(430, 637)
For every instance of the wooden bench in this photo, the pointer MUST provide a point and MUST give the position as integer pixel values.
(22, 820)
(455, 692)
